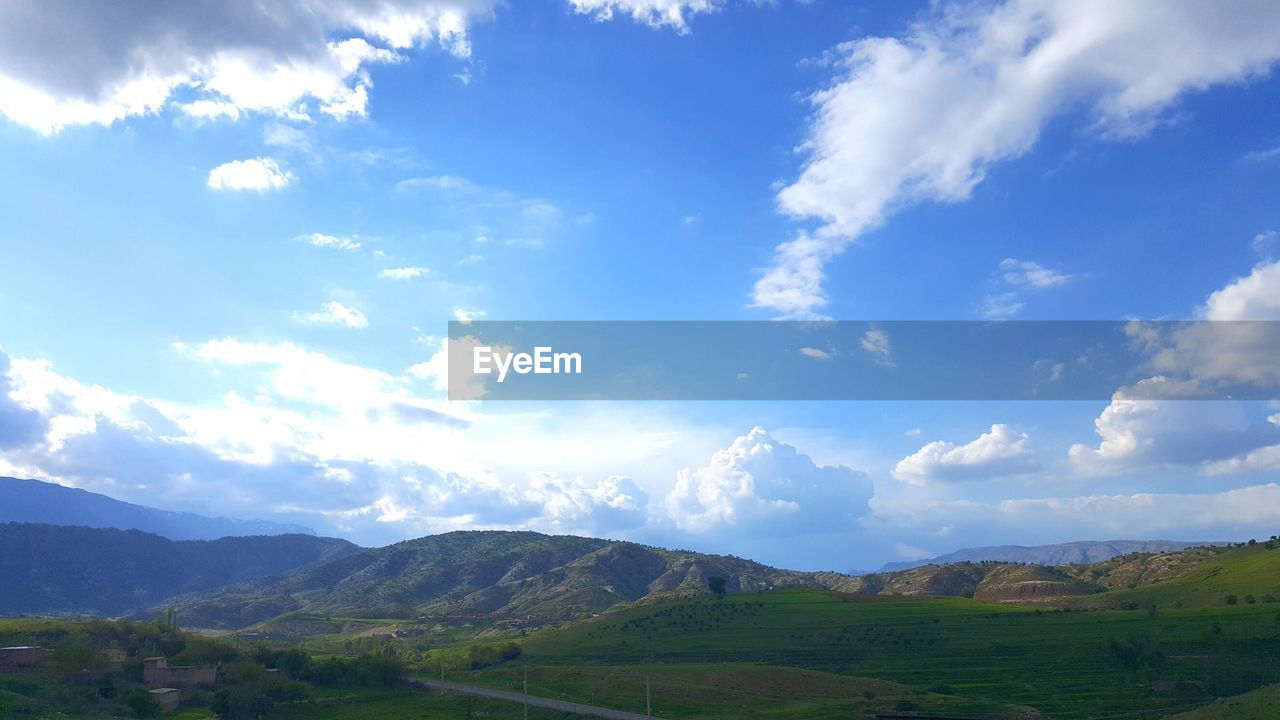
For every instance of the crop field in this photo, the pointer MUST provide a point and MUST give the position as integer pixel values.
(1069, 665)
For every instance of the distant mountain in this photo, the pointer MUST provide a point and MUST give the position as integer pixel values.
(33, 501)
(488, 575)
(1072, 553)
(57, 570)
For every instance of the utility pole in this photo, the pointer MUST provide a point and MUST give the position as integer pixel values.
(441, 668)
(526, 692)
(648, 704)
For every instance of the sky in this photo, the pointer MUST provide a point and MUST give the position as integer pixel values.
(232, 235)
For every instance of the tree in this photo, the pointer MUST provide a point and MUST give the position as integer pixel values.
(717, 585)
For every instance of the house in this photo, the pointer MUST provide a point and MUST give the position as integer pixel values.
(156, 671)
(21, 656)
(167, 698)
(112, 656)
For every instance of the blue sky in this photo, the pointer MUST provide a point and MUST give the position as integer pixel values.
(226, 294)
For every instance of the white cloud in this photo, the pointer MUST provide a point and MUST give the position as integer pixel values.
(922, 118)
(463, 315)
(336, 313)
(260, 174)
(580, 505)
(1253, 297)
(1159, 423)
(876, 342)
(815, 353)
(759, 485)
(1031, 274)
(62, 63)
(439, 183)
(1001, 307)
(1264, 241)
(403, 273)
(348, 244)
(471, 260)
(1002, 451)
(672, 14)
(1264, 155)
(1231, 514)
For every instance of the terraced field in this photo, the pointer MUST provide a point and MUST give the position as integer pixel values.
(1069, 665)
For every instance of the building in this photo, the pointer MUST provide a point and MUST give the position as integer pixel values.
(167, 698)
(156, 671)
(112, 656)
(21, 656)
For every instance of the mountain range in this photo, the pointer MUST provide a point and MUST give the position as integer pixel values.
(1071, 553)
(55, 570)
(34, 501)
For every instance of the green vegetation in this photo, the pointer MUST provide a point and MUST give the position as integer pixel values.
(1260, 704)
(1246, 575)
(1099, 664)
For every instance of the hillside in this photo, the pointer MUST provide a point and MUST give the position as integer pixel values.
(33, 501)
(994, 582)
(1199, 578)
(55, 570)
(491, 575)
(1071, 553)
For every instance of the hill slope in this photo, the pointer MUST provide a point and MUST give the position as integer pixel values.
(491, 575)
(54, 570)
(1072, 553)
(33, 501)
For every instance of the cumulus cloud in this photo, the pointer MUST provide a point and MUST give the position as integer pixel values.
(260, 174)
(1000, 452)
(63, 63)
(1255, 296)
(580, 505)
(1159, 422)
(347, 244)
(336, 313)
(672, 14)
(922, 118)
(758, 485)
(403, 273)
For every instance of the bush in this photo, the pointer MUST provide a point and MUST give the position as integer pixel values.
(142, 704)
(1231, 599)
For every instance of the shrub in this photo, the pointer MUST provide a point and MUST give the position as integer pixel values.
(141, 702)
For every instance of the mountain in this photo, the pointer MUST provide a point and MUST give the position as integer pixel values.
(990, 581)
(488, 575)
(56, 570)
(33, 501)
(1071, 553)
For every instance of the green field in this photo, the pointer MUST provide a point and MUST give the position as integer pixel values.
(1069, 665)
(404, 705)
(1261, 704)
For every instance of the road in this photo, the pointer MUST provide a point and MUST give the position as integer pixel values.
(534, 701)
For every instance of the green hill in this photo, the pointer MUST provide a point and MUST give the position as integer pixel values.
(1201, 578)
(1260, 704)
(1069, 665)
(487, 576)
